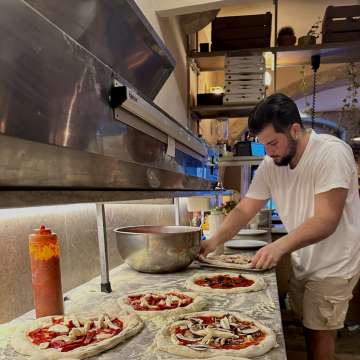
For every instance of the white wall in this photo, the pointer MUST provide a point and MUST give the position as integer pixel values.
(176, 7)
(173, 95)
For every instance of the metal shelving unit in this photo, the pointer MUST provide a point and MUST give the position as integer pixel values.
(240, 160)
(245, 164)
(284, 56)
(215, 111)
(330, 53)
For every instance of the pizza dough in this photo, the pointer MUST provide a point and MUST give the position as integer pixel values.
(258, 283)
(131, 325)
(231, 334)
(167, 299)
(234, 261)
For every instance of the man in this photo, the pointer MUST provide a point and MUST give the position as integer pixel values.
(313, 180)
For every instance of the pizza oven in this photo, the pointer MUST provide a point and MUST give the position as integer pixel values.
(77, 109)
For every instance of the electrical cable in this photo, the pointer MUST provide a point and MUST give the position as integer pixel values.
(315, 64)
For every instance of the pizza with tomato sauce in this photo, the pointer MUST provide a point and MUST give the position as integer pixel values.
(55, 337)
(162, 304)
(216, 334)
(225, 283)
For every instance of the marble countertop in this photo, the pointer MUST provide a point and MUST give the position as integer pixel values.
(262, 306)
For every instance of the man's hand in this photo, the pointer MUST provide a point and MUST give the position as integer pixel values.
(208, 246)
(267, 257)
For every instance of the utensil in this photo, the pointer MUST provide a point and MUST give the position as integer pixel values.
(245, 244)
(158, 249)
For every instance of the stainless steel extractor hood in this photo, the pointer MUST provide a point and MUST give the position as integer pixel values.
(60, 62)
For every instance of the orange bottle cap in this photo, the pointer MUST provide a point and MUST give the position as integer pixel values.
(43, 230)
(42, 234)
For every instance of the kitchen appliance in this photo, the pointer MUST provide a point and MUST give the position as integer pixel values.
(248, 148)
(158, 249)
(59, 128)
(209, 99)
(216, 218)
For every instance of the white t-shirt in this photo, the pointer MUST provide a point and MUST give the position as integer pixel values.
(326, 163)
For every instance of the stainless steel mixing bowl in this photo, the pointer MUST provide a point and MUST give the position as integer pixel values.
(158, 249)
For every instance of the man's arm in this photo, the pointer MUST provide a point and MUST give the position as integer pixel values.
(328, 209)
(236, 219)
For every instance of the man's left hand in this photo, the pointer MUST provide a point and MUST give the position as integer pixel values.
(267, 257)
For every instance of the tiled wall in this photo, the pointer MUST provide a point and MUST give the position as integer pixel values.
(76, 229)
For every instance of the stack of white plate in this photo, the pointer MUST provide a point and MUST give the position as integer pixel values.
(247, 243)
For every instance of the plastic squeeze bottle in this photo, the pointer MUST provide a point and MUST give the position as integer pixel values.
(45, 269)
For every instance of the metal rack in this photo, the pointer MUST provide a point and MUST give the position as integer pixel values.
(284, 56)
(245, 163)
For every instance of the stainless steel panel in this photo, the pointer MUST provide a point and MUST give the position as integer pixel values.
(24, 198)
(53, 91)
(34, 165)
(157, 118)
(118, 34)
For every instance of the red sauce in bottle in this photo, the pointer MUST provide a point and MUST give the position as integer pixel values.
(45, 268)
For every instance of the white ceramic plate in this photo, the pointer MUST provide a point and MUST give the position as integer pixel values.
(245, 244)
(252, 232)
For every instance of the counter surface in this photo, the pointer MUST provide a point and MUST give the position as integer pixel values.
(262, 306)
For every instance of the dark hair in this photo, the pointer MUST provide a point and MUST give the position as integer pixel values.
(278, 110)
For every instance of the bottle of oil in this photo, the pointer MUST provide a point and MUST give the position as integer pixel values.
(45, 268)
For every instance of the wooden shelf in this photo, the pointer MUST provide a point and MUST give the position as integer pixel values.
(330, 53)
(215, 111)
(341, 52)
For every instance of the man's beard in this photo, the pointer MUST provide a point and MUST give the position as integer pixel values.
(285, 160)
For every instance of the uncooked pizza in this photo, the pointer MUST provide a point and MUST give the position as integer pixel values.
(55, 337)
(215, 334)
(163, 304)
(234, 261)
(225, 283)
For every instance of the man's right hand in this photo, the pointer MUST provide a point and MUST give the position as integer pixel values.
(208, 246)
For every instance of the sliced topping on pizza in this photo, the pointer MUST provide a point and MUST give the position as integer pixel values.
(158, 301)
(217, 332)
(224, 281)
(70, 333)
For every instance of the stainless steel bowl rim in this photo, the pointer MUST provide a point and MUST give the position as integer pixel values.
(188, 229)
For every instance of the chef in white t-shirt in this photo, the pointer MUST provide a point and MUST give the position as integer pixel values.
(313, 179)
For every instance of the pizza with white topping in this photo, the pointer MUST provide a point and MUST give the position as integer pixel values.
(55, 337)
(215, 334)
(162, 303)
(225, 283)
(233, 261)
